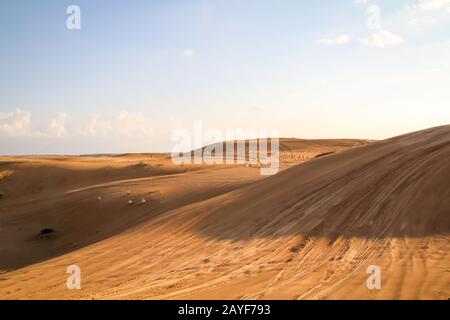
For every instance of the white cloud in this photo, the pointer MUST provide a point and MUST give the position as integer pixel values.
(357, 2)
(57, 126)
(124, 125)
(422, 20)
(427, 12)
(18, 124)
(339, 40)
(133, 125)
(15, 124)
(428, 5)
(188, 53)
(382, 39)
(91, 127)
(423, 14)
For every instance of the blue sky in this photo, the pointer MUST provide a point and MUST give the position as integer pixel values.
(137, 70)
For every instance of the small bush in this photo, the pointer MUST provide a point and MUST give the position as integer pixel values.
(46, 231)
(141, 164)
(294, 249)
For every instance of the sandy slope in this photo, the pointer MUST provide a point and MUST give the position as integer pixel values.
(307, 233)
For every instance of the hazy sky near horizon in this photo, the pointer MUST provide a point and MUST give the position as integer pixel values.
(137, 70)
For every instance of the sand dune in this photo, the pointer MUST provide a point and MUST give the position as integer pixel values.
(291, 150)
(310, 232)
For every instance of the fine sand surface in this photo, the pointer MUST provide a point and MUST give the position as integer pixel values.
(140, 227)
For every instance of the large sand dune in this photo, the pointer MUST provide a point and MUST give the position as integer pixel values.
(310, 232)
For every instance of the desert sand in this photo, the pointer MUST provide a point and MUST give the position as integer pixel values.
(140, 227)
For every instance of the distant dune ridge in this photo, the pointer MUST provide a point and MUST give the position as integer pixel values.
(290, 149)
(205, 232)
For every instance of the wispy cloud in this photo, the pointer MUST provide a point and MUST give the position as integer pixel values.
(188, 53)
(338, 40)
(427, 12)
(428, 5)
(18, 123)
(382, 39)
(133, 125)
(57, 126)
(15, 123)
(126, 125)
